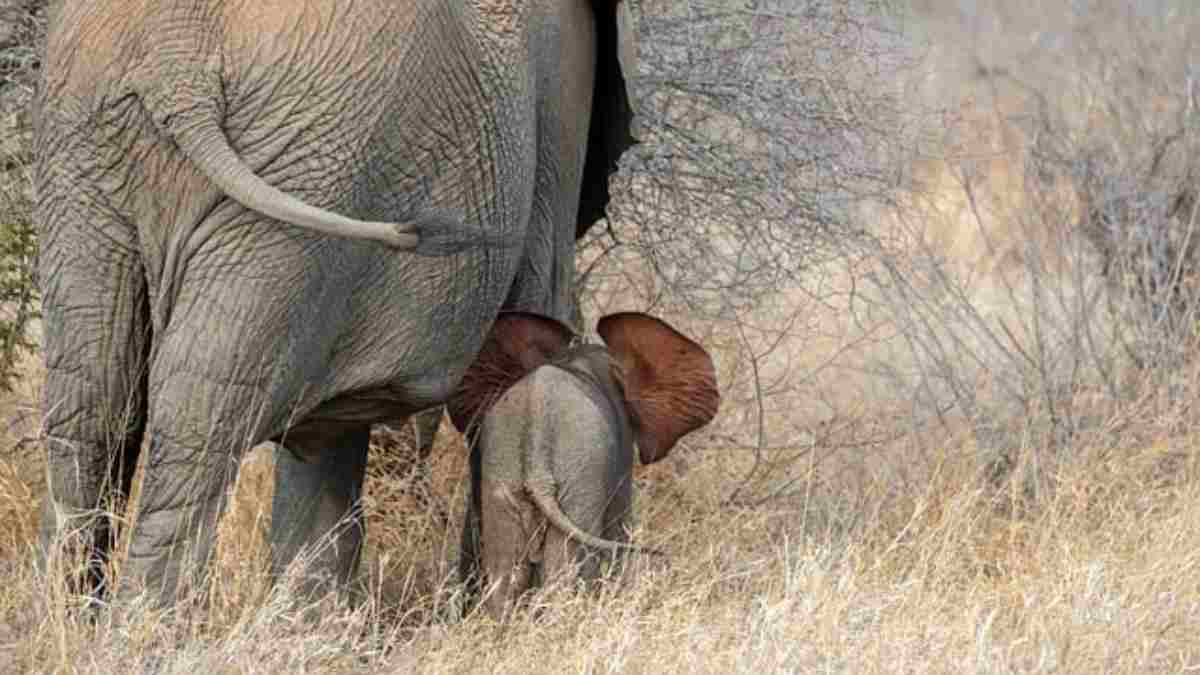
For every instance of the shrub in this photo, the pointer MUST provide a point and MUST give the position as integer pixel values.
(22, 24)
(1042, 273)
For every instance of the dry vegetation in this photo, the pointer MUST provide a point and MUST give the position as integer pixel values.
(943, 449)
(940, 572)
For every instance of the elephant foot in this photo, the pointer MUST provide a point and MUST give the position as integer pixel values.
(74, 549)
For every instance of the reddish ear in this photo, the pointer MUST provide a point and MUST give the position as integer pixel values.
(517, 343)
(670, 381)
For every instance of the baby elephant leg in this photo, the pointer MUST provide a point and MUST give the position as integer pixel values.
(510, 532)
(564, 557)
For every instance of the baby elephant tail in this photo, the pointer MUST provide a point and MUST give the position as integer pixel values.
(547, 503)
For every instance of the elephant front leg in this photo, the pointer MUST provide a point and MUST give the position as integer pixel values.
(317, 511)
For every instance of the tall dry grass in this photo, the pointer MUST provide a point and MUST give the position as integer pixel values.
(946, 574)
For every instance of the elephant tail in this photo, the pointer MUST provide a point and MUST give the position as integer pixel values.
(190, 115)
(547, 503)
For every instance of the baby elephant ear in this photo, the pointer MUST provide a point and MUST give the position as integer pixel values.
(670, 381)
(518, 343)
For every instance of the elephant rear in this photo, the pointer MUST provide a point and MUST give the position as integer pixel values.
(552, 432)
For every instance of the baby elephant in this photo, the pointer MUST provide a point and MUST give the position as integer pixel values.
(552, 429)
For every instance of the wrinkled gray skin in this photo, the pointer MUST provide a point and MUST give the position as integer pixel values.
(555, 457)
(192, 157)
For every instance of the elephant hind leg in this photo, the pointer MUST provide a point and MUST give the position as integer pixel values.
(96, 344)
(618, 518)
(199, 429)
(317, 511)
(510, 529)
(566, 558)
(183, 495)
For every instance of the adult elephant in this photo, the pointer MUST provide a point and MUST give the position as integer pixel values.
(213, 183)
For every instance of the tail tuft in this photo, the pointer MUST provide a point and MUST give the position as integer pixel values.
(439, 234)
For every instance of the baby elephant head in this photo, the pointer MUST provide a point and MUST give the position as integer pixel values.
(669, 383)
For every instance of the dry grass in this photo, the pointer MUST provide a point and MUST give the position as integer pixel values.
(1101, 573)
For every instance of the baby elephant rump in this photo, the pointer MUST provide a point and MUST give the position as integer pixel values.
(552, 428)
